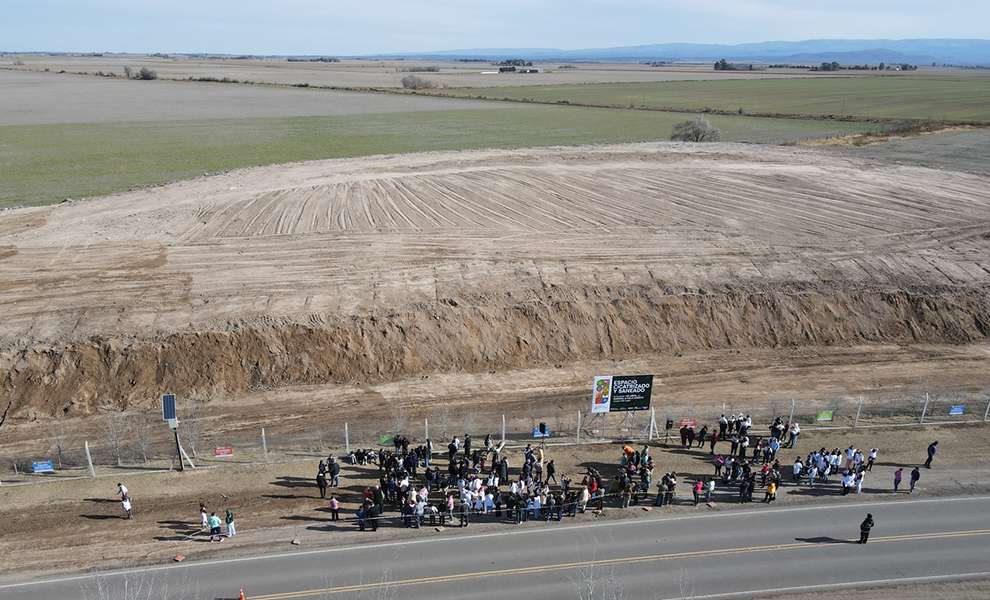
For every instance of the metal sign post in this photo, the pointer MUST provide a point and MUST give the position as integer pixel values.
(169, 416)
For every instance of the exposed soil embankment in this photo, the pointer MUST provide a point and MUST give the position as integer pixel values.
(461, 335)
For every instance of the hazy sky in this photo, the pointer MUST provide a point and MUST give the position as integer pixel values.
(368, 26)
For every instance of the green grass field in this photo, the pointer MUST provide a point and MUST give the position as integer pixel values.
(958, 98)
(42, 164)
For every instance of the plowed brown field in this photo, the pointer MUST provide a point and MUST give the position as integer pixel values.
(379, 268)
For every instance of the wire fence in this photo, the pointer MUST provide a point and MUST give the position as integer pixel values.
(133, 442)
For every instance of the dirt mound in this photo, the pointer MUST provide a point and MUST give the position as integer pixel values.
(375, 269)
(466, 334)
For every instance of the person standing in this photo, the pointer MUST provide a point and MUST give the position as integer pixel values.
(771, 492)
(334, 467)
(213, 521)
(698, 487)
(915, 476)
(932, 449)
(793, 434)
(321, 482)
(898, 474)
(125, 503)
(203, 519)
(865, 527)
(334, 508)
(871, 458)
(228, 518)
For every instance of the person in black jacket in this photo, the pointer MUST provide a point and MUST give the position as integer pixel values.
(321, 482)
(865, 527)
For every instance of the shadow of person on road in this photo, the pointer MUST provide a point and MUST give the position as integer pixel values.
(824, 540)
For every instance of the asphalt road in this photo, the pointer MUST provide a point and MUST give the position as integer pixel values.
(707, 554)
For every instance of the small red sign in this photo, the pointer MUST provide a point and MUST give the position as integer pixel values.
(223, 451)
(692, 423)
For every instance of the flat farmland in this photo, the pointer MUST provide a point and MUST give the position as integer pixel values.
(131, 137)
(353, 73)
(954, 98)
(44, 98)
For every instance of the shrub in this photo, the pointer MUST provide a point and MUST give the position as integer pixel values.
(695, 130)
(413, 82)
(147, 74)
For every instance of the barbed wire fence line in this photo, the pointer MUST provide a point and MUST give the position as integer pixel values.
(117, 447)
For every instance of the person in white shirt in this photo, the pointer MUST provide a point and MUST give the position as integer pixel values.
(795, 431)
(848, 480)
(798, 467)
(872, 458)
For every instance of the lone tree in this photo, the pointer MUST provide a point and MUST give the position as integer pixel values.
(695, 130)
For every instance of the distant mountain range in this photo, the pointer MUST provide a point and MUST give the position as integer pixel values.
(915, 51)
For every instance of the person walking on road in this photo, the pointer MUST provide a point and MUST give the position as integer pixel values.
(865, 527)
(915, 476)
(898, 474)
(932, 449)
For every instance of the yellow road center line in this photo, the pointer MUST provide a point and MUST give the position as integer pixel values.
(603, 562)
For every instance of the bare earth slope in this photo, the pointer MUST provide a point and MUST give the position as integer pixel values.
(378, 268)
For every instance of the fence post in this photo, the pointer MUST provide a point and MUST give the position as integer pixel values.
(859, 409)
(986, 413)
(89, 460)
(924, 410)
(790, 419)
(653, 422)
(264, 444)
(579, 424)
(426, 428)
(503, 429)
(347, 439)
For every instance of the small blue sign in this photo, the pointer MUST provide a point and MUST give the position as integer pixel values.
(541, 434)
(957, 409)
(168, 407)
(42, 466)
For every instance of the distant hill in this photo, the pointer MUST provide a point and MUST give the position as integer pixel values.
(952, 51)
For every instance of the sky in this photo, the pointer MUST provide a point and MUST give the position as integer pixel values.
(355, 27)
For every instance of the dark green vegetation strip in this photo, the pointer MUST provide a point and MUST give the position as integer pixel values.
(41, 164)
(961, 98)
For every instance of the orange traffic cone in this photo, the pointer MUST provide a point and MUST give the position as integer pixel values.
(242, 595)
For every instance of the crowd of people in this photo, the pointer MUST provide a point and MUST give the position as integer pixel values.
(476, 481)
